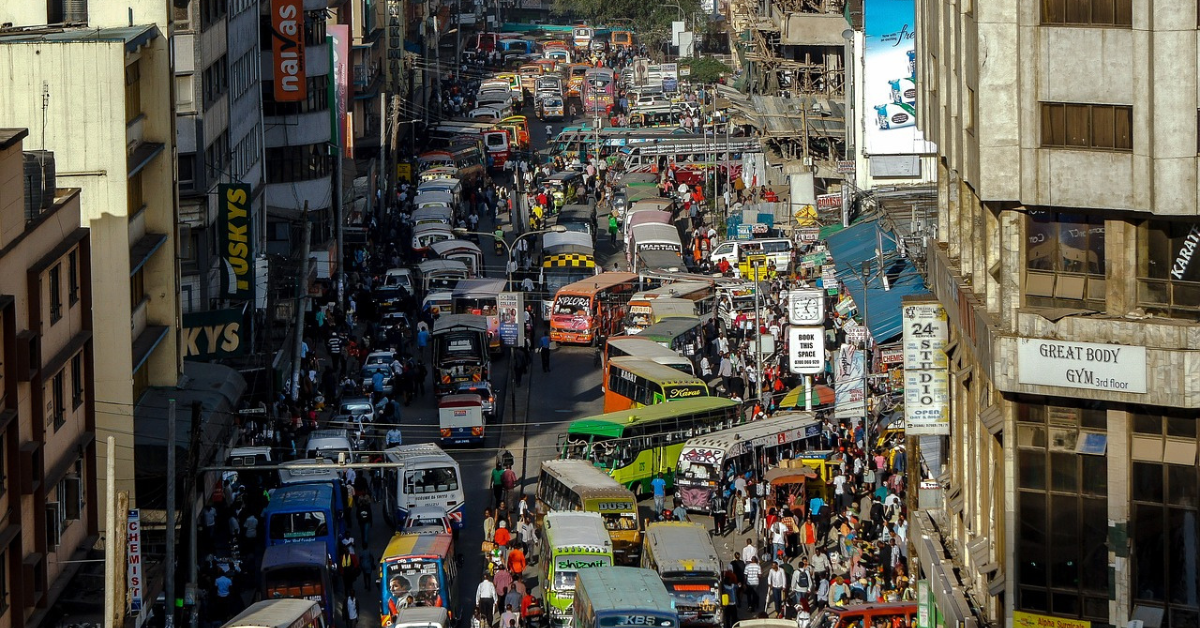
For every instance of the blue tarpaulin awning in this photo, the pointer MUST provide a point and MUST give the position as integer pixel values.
(880, 310)
(855, 244)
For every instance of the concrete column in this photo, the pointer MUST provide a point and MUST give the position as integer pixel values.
(1120, 256)
(966, 228)
(1119, 609)
(948, 199)
(991, 259)
(1012, 265)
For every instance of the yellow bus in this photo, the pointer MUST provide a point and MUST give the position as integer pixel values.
(572, 485)
(636, 382)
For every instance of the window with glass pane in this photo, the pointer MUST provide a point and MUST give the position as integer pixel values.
(1165, 532)
(1168, 271)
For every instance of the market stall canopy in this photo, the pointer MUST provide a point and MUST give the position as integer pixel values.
(821, 396)
(797, 475)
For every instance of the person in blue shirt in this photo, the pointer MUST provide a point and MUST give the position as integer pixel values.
(544, 349)
(660, 492)
(423, 340)
(815, 505)
(377, 384)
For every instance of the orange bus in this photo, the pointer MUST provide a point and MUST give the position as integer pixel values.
(589, 308)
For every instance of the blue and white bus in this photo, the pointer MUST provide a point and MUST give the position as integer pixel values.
(306, 512)
(622, 597)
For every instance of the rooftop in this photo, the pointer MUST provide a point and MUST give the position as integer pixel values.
(10, 137)
(133, 36)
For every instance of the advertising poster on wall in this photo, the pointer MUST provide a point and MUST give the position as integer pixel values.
(287, 50)
(849, 377)
(510, 306)
(890, 79)
(236, 241)
(339, 36)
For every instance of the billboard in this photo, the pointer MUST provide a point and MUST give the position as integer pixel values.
(287, 50)
(213, 334)
(926, 369)
(670, 76)
(511, 306)
(890, 79)
(339, 39)
(237, 241)
(850, 383)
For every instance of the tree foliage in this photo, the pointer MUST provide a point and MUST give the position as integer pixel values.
(705, 69)
(644, 16)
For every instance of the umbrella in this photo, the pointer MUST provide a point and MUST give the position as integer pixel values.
(794, 400)
(795, 475)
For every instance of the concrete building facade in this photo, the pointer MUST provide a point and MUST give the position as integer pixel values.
(101, 99)
(299, 162)
(48, 502)
(1067, 227)
(219, 130)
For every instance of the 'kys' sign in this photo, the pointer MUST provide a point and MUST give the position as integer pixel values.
(236, 250)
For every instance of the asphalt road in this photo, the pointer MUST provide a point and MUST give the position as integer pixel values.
(534, 415)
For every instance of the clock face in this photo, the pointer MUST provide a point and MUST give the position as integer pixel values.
(807, 308)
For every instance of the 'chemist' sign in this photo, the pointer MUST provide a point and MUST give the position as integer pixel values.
(1094, 366)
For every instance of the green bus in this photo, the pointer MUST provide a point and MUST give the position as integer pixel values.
(631, 382)
(635, 445)
(623, 597)
(571, 542)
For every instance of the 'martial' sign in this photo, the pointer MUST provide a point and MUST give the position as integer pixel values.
(1117, 368)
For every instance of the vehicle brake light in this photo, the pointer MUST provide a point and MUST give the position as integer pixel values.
(445, 432)
(477, 430)
(445, 379)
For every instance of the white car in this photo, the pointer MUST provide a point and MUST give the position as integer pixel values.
(427, 520)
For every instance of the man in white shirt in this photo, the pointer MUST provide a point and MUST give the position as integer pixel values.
(778, 540)
(485, 598)
(776, 582)
(753, 574)
(749, 552)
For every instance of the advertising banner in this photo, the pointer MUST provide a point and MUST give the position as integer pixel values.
(806, 350)
(133, 568)
(236, 241)
(670, 77)
(890, 79)
(849, 383)
(287, 50)
(1089, 365)
(339, 39)
(510, 306)
(213, 334)
(926, 372)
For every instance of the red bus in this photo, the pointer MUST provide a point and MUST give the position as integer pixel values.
(584, 310)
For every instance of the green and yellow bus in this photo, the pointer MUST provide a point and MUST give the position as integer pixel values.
(577, 485)
(632, 383)
(571, 542)
(633, 446)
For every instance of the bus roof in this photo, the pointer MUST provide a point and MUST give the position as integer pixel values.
(724, 439)
(447, 246)
(649, 216)
(295, 496)
(554, 239)
(301, 472)
(646, 348)
(451, 322)
(624, 589)
(476, 288)
(423, 616)
(403, 452)
(435, 265)
(402, 545)
(599, 283)
(287, 555)
(670, 327)
(651, 231)
(613, 424)
(281, 613)
(575, 528)
(668, 261)
(654, 371)
(681, 547)
(585, 478)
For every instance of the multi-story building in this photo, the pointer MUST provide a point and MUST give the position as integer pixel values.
(219, 130)
(47, 397)
(1065, 258)
(369, 45)
(101, 99)
(299, 158)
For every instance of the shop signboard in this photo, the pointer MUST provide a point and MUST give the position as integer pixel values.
(339, 37)
(926, 370)
(213, 334)
(287, 50)
(236, 241)
(1087, 365)
(849, 376)
(134, 576)
(1022, 619)
(890, 79)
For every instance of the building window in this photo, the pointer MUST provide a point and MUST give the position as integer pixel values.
(211, 12)
(134, 200)
(1164, 521)
(137, 288)
(1168, 254)
(187, 172)
(1118, 13)
(216, 81)
(298, 163)
(1064, 259)
(317, 98)
(133, 91)
(56, 305)
(1092, 127)
(141, 381)
(1062, 505)
(60, 402)
(216, 156)
(77, 381)
(73, 277)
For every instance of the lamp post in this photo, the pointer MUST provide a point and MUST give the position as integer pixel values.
(510, 248)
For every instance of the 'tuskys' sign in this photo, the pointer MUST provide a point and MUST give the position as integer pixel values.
(1116, 368)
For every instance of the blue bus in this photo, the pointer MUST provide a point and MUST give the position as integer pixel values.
(306, 512)
(305, 472)
(622, 597)
(302, 571)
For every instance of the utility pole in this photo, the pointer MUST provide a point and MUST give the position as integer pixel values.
(192, 481)
(340, 215)
(301, 301)
(169, 575)
(110, 536)
(383, 154)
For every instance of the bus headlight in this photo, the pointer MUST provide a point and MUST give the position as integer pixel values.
(445, 432)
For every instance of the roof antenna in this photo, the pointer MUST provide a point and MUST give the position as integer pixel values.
(131, 16)
(45, 109)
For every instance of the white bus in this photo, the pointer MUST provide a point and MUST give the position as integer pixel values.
(427, 476)
(282, 613)
(706, 460)
(652, 236)
(684, 556)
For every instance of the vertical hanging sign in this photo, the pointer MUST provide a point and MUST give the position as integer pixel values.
(926, 369)
(133, 571)
(287, 50)
(236, 241)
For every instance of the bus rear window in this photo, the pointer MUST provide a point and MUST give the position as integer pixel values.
(437, 480)
(288, 526)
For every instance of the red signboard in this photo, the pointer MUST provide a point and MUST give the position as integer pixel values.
(287, 46)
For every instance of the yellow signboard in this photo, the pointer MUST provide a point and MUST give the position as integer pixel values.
(1032, 620)
(404, 172)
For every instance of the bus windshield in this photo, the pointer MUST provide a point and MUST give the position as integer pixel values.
(288, 526)
(700, 464)
(572, 305)
(485, 306)
(559, 276)
(564, 579)
(620, 520)
(463, 346)
(423, 573)
(436, 480)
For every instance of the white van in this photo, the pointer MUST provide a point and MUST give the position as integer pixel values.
(777, 249)
(330, 444)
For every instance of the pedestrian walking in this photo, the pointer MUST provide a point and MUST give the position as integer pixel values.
(485, 599)
(351, 610)
(544, 349)
(365, 516)
(753, 577)
(776, 582)
(660, 493)
(497, 484)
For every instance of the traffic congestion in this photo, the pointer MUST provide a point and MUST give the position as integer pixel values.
(561, 392)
